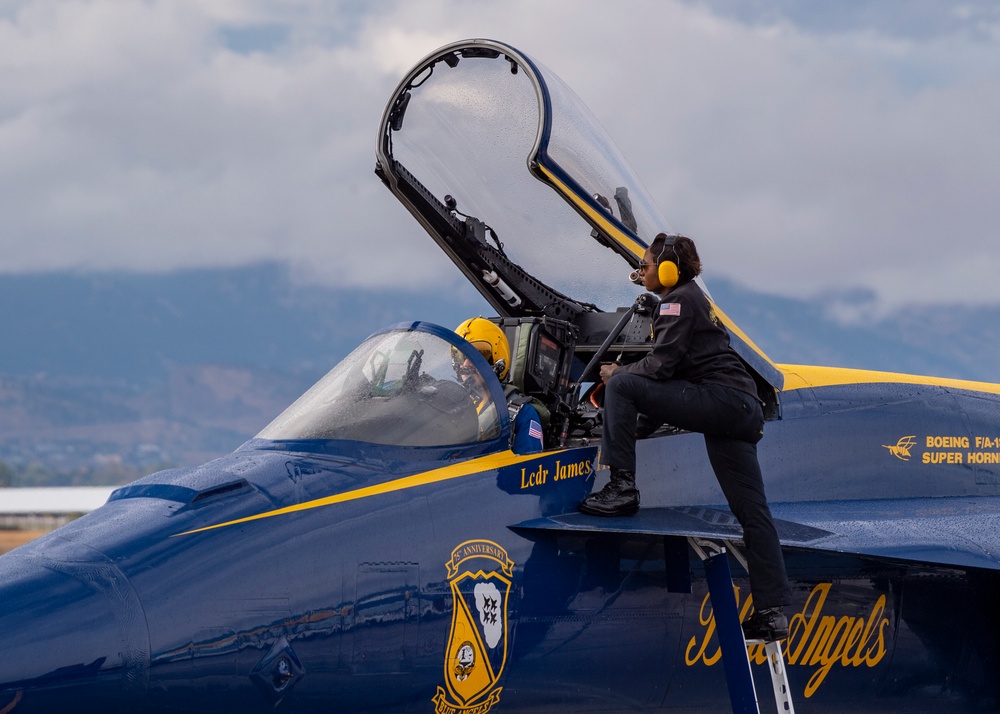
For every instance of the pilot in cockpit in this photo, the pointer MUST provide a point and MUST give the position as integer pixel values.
(490, 341)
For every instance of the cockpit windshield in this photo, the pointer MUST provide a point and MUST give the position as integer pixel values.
(401, 387)
(580, 148)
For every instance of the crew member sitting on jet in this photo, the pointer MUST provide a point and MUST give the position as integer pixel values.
(490, 341)
(692, 379)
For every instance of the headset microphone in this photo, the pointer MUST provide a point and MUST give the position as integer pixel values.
(667, 271)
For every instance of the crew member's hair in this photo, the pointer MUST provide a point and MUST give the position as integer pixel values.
(682, 252)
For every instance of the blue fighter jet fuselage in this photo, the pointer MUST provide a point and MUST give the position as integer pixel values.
(380, 547)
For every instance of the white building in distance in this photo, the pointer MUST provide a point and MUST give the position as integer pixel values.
(47, 508)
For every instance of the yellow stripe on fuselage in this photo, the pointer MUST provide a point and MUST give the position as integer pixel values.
(598, 217)
(465, 468)
(739, 333)
(807, 377)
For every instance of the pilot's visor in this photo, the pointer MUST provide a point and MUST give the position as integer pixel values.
(485, 349)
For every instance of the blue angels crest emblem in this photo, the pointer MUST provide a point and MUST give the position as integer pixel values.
(480, 575)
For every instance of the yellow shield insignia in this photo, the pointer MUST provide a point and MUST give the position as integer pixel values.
(480, 574)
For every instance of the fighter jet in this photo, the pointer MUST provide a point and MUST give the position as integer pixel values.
(380, 547)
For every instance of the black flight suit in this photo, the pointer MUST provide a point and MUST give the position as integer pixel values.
(694, 380)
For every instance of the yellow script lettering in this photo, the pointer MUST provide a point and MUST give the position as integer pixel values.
(581, 468)
(815, 639)
(535, 478)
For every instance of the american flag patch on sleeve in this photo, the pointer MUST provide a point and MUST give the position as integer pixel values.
(670, 308)
(534, 429)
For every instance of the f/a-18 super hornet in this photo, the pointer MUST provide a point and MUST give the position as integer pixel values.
(380, 547)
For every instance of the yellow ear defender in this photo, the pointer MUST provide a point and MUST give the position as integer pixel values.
(667, 271)
(668, 274)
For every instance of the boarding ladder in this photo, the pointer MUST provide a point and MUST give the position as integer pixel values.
(735, 660)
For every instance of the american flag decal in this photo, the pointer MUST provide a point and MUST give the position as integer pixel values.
(534, 429)
(671, 308)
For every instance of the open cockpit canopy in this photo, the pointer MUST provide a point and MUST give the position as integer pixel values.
(487, 132)
(518, 183)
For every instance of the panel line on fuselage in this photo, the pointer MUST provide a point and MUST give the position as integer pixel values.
(445, 473)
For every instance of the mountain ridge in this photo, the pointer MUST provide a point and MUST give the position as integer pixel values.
(106, 376)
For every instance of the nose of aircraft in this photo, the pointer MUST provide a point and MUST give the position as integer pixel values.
(73, 634)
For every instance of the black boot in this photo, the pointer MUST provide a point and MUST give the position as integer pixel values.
(766, 625)
(619, 496)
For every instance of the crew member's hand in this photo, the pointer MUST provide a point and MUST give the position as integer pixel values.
(607, 370)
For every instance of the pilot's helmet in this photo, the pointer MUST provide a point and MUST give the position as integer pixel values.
(489, 340)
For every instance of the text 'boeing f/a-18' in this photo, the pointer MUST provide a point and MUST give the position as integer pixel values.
(380, 547)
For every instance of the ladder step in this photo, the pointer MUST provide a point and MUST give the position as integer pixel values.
(742, 694)
(779, 678)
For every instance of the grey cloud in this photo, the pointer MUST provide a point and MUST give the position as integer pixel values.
(804, 150)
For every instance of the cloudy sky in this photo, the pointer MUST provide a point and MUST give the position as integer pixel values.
(808, 147)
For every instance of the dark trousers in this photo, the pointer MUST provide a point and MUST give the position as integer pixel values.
(732, 423)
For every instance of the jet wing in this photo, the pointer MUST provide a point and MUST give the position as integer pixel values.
(957, 532)
(687, 521)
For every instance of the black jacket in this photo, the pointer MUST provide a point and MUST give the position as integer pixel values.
(690, 344)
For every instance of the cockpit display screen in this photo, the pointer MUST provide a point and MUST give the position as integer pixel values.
(545, 365)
